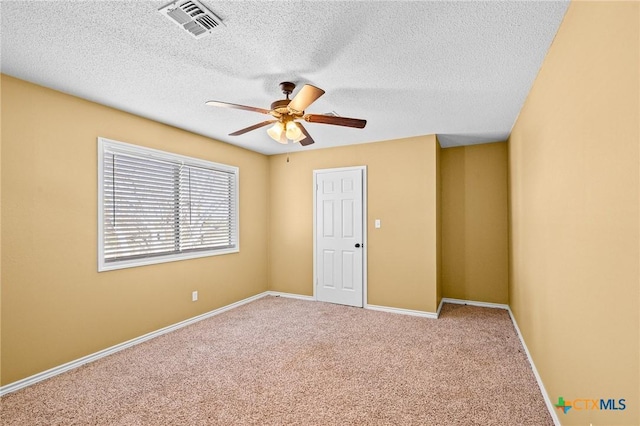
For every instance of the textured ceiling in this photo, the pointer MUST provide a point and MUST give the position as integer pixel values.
(461, 70)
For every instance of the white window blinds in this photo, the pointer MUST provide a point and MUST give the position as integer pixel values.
(156, 206)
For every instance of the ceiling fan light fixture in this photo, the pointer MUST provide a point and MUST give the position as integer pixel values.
(293, 131)
(276, 132)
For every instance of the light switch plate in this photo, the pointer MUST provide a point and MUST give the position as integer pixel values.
(377, 223)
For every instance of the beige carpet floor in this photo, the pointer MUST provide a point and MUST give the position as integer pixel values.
(280, 361)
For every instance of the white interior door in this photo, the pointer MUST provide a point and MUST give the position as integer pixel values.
(339, 236)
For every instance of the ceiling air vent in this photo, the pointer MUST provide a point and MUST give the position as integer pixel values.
(192, 16)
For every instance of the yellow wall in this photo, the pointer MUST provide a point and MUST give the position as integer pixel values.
(402, 189)
(439, 295)
(56, 307)
(574, 194)
(475, 223)
(0, 233)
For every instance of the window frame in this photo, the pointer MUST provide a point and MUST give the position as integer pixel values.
(105, 144)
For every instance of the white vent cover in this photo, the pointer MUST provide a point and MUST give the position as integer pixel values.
(192, 16)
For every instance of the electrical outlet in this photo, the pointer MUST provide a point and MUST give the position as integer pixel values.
(194, 296)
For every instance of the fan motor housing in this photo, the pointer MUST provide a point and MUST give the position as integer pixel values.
(280, 106)
(280, 109)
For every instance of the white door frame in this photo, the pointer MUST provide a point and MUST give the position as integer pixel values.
(365, 244)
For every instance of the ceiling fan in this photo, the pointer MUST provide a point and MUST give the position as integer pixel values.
(287, 114)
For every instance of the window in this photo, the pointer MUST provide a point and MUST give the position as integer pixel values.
(155, 206)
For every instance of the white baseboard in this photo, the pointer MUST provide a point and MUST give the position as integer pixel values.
(28, 381)
(545, 394)
(289, 295)
(402, 311)
(372, 307)
(475, 303)
(439, 308)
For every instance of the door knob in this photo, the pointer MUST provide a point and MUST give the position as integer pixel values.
(358, 245)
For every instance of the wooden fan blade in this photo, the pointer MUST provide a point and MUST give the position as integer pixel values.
(338, 121)
(236, 106)
(305, 97)
(308, 140)
(250, 128)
